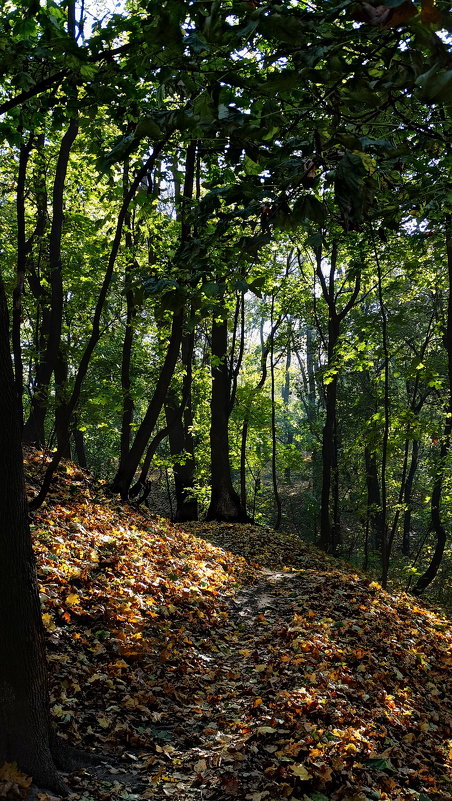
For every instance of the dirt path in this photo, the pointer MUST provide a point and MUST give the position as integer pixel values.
(296, 693)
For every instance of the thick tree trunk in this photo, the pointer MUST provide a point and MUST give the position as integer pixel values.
(224, 501)
(265, 349)
(335, 319)
(336, 528)
(127, 399)
(25, 735)
(179, 425)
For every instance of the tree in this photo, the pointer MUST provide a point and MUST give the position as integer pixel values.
(25, 734)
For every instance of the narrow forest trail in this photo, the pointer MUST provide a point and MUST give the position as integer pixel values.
(213, 661)
(302, 694)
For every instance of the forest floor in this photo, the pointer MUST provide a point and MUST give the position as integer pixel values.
(216, 662)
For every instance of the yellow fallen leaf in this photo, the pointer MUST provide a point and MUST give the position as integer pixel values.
(73, 599)
(48, 621)
(301, 772)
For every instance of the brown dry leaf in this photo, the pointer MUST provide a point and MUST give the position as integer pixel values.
(400, 15)
(430, 14)
(13, 782)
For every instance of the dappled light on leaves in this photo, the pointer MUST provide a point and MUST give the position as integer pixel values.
(222, 661)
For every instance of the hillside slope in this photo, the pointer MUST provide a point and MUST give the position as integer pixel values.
(229, 662)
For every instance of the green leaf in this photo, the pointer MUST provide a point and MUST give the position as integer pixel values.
(148, 127)
(203, 108)
(434, 86)
(24, 28)
(196, 43)
(378, 764)
(119, 152)
(211, 289)
(308, 207)
(251, 167)
(88, 71)
(271, 133)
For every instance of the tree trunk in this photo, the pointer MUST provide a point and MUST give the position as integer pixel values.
(335, 319)
(224, 501)
(436, 523)
(179, 426)
(24, 155)
(61, 413)
(276, 494)
(181, 441)
(79, 445)
(128, 465)
(25, 735)
(406, 544)
(285, 394)
(127, 399)
(336, 529)
(35, 423)
(94, 337)
(373, 498)
(265, 349)
(327, 463)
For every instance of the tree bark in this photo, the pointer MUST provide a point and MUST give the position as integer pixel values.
(61, 375)
(276, 494)
(436, 522)
(265, 349)
(22, 250)
(373, 498)
(335, 319)
(181, 440)
(94, 337)
(25, 734)
(285, 394)
(34, 426)
(224, 501)
(128, 466)
(406, 539)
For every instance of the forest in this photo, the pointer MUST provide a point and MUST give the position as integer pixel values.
(226, 317)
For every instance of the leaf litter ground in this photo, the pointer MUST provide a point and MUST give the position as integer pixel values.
(215, 661)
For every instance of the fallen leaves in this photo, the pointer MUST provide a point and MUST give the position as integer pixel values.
(13, 783)
(220, 661)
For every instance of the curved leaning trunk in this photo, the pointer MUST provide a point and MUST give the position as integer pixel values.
(129, 464)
